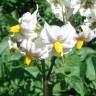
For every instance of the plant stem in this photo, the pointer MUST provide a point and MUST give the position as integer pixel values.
(47, 77)
(62, 60)
(45, 81)
(51, 67)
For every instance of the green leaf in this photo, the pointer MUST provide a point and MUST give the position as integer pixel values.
(59, 70)
(84, 52)
(76, 83)
(93, 84)
(83, 69)
(1, 68)
(57, 89)
(14, 83)
(72, 64)
(14, 56)
(38, 84)
(15, 14)
(3, 45)
(2, 90)
(90, 72)
(13, 1)
(33, 70)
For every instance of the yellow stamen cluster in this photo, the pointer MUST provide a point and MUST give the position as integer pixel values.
(79, 43)
(57, 46)
(15, 28)
(28, 58)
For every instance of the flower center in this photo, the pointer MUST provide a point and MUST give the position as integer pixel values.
(79, 43)
(57, 46)
(28, 58)
(56, 1)
(15, 28)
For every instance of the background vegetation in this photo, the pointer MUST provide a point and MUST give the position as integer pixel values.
(77, 77)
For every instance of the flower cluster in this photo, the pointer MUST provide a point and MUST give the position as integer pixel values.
(52, 39)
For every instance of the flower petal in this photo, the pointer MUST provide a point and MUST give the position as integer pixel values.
(48, 34)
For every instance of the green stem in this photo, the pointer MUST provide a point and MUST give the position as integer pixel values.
(47, 77)
(51, 67)
(45, 81)
(62, 60)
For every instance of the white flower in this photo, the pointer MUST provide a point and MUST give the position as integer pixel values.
(26, 26)
(59, 40)
(56, 8)
(64, 8)
(75, 4)
(34, 49)
(85, 12)
(89, 14)
(86, 35)
(88, 9)
(72, 4)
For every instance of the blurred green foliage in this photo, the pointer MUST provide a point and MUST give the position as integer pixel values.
(77, 77)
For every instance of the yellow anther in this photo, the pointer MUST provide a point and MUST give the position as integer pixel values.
(79, 43)
(15, 28)
(57, 46)
(28, 58)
